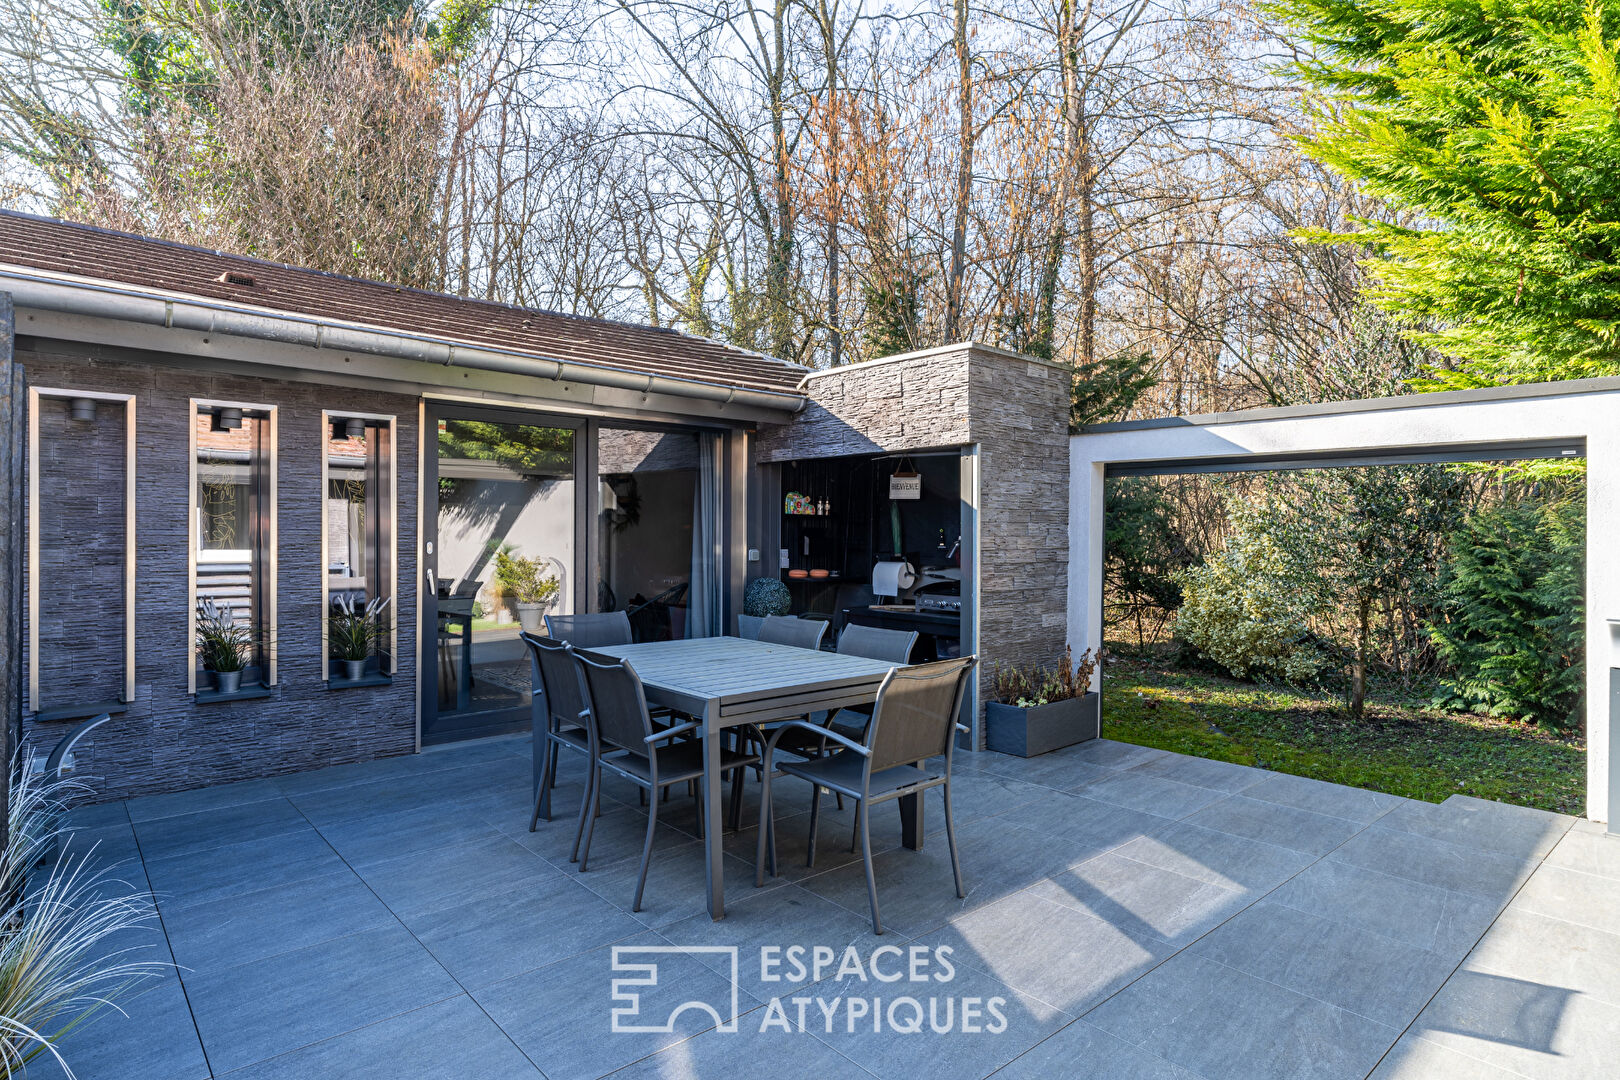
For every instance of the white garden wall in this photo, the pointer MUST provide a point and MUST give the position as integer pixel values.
(1581, 413)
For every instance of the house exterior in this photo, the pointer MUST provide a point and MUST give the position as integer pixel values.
(215, 441)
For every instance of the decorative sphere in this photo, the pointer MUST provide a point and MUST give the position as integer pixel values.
(766, 596)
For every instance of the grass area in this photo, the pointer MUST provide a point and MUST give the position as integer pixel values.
(1397, 747)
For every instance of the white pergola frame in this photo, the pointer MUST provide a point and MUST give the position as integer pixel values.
(1541, 420)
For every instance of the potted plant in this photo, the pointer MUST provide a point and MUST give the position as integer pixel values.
(354, 633)
(224, 645)
(1038, 708)
(526, 583)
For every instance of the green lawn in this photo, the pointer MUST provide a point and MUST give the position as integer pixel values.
(1404, 750)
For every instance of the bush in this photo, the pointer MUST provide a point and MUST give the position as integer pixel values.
(1031, 685)
(1248, 607)
(1512, 618)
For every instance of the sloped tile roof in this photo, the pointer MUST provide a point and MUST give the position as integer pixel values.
(62, 247)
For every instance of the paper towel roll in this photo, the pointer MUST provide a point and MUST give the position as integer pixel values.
(892, 578)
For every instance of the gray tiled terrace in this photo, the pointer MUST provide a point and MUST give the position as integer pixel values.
(1145, 915)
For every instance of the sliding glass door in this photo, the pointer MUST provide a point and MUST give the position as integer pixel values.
(657, 524)
(501, 554)
(528, 514)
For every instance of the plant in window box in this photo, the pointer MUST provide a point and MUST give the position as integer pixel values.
(528, 584)
(224, 645)
(1037, 708)
(355, 633)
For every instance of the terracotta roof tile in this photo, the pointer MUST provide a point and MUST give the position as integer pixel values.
(83, 251)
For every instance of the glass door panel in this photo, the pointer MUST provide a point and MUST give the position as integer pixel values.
(647, 486)
(503, 556)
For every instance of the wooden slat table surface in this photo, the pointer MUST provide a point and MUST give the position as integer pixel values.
(726, 681)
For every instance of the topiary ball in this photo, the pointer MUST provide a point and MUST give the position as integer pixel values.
(766, 596)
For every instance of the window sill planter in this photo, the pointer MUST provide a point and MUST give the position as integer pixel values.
(246, 692)
(341, 677)
(1021, 732)
(226, 682)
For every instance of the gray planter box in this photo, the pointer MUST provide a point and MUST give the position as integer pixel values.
(1028, 732)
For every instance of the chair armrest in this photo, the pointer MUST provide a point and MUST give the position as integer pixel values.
(671, 732)
(816, 729)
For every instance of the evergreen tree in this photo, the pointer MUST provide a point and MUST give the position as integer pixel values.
(1498, 123)
(1512, 618)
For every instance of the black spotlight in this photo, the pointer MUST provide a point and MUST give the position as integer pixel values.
(354, 429)
(227, 419)
(82, 408)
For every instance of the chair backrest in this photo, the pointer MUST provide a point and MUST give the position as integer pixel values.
(786, 630)
(877, 644)
(591, 631)
(556, 678)
(748, 626)
(618, 704)
(915, 714)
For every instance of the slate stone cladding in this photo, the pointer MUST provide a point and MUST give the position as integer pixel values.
(1017, 411)
(166, 741)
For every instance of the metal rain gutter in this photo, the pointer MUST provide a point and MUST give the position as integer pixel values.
(105, 301)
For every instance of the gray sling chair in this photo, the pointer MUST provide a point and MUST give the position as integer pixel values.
(591, 631)
(623, 739)
(786, 630)
(873, 643)
(558, 712)
(913, 722)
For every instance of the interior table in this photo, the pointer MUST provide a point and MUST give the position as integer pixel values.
(725, 682)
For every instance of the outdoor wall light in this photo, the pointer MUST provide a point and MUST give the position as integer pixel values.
(82, 408)
(354, 429)
(226, 419)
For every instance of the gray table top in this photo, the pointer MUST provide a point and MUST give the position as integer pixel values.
(741, 678)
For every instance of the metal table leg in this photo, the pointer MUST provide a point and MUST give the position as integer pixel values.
(714, 822)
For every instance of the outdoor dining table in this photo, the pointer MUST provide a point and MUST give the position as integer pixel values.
(725, 682)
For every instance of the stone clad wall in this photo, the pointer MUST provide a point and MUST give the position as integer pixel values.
(166, 742)
(915, 402)
(1016, 410)
(1020, 420)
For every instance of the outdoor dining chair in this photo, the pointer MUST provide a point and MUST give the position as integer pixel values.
(748, 626)
(913, 722)
(558, 713)
(786, 630)
(624, 741)
(874, 643)
(592, 630)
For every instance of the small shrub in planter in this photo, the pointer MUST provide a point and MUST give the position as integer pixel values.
(224, 645)
(526, 583)
(1037, 708)
(354, 633)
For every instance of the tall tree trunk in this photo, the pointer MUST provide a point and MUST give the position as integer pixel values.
(964, 173)
(1358, 667)
(1070, 180)
(781, 240)
(835, 203)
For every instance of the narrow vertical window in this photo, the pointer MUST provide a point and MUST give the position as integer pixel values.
(359, 551)
(233, 549)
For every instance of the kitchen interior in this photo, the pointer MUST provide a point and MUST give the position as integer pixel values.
(875, 541)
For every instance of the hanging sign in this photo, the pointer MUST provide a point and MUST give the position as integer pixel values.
(905, 485)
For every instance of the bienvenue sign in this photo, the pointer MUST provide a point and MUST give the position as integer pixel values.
(905, 486)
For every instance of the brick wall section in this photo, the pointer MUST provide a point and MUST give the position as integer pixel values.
(165, 742)
(1017, 411)
(81, 548)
